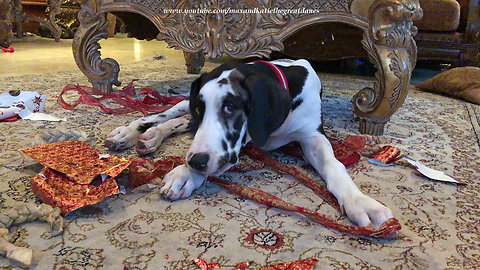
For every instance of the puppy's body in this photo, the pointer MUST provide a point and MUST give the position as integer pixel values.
(238, 103)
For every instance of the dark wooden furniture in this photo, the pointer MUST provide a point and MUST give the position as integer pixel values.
(6, 19)
(386, 25)
(459, 45)
(42, 12)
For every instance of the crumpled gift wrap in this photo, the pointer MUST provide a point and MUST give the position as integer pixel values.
(77, 160)
(70, 168)
(55, 189)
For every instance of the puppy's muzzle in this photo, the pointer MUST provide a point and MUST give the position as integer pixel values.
(199, 161)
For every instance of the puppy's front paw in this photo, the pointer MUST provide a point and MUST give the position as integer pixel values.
(121, 138)
(365, 211)
(181, 182)
(149, 141)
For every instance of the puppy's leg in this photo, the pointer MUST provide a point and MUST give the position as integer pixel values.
(361, 209)
(125, 137)
(181, 182)
(149, 141)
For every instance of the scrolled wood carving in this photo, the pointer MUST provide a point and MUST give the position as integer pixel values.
(6, 33)
(391, 48)
(102, 73)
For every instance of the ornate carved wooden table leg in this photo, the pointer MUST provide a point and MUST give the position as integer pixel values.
(6, 34)
(53, 11)
(194, 62)
(390, 45)
(102, 73)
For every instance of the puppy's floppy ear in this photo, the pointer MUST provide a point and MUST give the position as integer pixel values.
(196, 86)
(194, 90)
(268, 107)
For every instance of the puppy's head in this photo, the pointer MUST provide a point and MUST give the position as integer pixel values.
(229, 110)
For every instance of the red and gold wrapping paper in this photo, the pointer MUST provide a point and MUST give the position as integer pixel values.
(57, 190)
(307, 264)
(77, 160)
(387, 154)
(143, 170)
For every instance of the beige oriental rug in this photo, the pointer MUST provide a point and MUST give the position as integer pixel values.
(440, 222)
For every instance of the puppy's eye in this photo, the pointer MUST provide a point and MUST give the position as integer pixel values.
(227, 109)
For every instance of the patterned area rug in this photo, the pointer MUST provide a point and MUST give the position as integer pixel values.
(136, 231)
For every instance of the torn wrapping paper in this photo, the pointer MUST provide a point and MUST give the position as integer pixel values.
(25, 100)
(57, 190)
(70, 168)
(38, 116)
(77, 160)
(389, 154)
(386, 156)
(431, 173)
(9, 112)
(307, 264)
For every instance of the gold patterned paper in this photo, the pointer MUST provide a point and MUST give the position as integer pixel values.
(77, 160)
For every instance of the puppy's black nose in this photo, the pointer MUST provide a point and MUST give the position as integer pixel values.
(199, 161)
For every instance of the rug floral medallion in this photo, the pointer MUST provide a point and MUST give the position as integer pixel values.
(140, 230)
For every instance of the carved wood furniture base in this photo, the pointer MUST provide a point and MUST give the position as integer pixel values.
(388, 32)
(53, 9)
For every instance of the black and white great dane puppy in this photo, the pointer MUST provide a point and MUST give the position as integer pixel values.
(237, 103)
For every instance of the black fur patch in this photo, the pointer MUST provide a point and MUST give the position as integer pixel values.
(237, 125)
(223, 160)
(296, 103)
(223, 81)
(193, 125)
(143, 127)
(233, 158)
(321, 129)
(233, 138)
(224, 145)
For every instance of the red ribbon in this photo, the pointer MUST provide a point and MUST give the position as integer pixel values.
(124, 98)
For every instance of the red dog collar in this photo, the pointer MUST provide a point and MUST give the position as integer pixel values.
(282, 79)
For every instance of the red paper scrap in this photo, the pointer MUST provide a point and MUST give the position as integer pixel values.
(143, 170)
(9, 49)
(94, 97)
(11, 119)
(57, 190)
(167, 257)
(387, 154)
(77, 160)
(242, 265)
(307, 264)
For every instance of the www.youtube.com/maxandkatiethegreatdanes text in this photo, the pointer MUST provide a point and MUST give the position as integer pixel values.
(245, 11)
